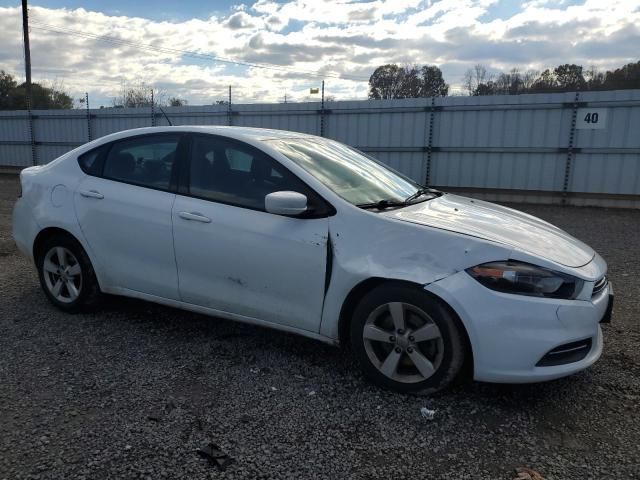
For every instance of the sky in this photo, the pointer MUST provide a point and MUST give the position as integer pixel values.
(179, 46)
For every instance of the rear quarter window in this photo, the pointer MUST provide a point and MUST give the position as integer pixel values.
(90, 162)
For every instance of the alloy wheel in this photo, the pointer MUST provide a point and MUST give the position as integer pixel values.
(62, 274)
(403, 342)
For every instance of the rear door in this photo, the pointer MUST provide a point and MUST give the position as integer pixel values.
(234, 256)
(124, 210)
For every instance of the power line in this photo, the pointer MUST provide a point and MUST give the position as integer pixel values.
(186, 53)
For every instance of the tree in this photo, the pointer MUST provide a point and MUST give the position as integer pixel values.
(433, 85)
(569, 78)
(544, 83)
(564, 78)
(14, 96)
(177, 102)
(622, 78)
(474, 77)
(386, 82)
(595, 79)
(138, 95)
(7, 84)
(42, 97)
(391, 81)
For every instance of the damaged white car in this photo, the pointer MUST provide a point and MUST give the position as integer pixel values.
(311, 236)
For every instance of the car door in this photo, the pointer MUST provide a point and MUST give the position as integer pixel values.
(124, 211)
(235, 257)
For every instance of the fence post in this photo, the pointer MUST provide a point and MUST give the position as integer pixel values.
(322, 112)
(32, 137)
(572, 136)
(86, 101)
(153, 111)
(229, 111)
(429, 139)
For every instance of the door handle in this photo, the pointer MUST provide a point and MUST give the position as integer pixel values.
(91, 194)
(195, 216)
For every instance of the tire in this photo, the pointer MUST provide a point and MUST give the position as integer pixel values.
(70, 284)
(424, 357)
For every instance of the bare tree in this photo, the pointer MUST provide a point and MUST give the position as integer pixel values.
(474, 77)
(528, 79)
(138, 95)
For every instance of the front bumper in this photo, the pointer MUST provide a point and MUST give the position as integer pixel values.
(510, 334)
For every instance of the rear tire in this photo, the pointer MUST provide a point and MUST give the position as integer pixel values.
(66, 274)
(406, 340)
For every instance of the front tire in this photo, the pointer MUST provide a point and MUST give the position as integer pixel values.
(66, 274)
(406, 340)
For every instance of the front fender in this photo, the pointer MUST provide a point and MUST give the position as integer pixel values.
(367, 245)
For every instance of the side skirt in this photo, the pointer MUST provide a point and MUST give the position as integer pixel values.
(219, 313)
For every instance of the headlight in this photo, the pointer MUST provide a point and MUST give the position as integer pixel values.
(526, 279)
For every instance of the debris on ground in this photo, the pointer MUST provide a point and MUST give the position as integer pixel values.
(427, 414)
(524, 473)
(154, 417)
(215, 456)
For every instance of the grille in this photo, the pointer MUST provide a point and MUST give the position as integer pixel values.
(600, 285)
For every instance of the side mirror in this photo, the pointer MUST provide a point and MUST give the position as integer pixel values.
(285, 203)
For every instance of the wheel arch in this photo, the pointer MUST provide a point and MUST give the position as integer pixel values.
(49, 232)
(44, 235)
(365, 286)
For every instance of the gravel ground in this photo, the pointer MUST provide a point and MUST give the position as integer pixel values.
(131, 391)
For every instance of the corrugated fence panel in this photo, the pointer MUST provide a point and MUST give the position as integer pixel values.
(60, 126)
(113, 120)
(516, 143)
(46, 153)
(15, 155)
(14, 127)
(502, 142)
(618, 171)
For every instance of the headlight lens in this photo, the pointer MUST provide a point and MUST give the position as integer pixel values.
(526, 279)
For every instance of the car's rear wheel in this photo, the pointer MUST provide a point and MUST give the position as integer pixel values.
(407, 340)
(66, 274)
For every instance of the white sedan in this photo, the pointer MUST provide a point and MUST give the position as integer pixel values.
(311, 236)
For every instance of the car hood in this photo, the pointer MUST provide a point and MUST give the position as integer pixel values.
(499, 224)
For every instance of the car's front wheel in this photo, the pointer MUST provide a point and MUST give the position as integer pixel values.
(406, 340)
(66, 274)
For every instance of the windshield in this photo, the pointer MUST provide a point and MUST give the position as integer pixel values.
(354, 176)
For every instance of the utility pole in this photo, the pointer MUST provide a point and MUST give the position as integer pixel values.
(27, 69)
(27, 51)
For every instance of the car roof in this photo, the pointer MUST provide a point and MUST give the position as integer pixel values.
(240, 133)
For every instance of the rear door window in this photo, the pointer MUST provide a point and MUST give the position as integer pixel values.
(146, 161)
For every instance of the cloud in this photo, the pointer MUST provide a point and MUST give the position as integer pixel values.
(337, 37)
(240, 20)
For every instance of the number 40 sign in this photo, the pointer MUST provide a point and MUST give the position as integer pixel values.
(591, 118)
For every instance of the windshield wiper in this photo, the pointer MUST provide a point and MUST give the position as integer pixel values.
(382, 204)
(389, 203)
(420, 192)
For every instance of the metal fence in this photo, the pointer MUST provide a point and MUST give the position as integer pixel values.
(579, 148)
